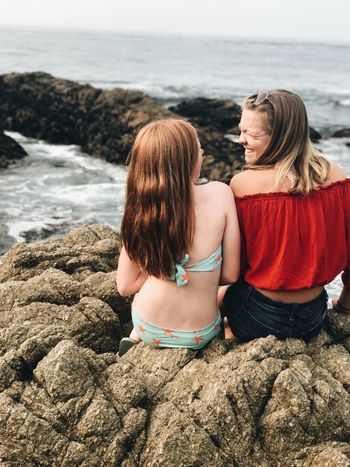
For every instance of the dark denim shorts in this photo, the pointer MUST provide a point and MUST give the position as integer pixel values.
(250, 314)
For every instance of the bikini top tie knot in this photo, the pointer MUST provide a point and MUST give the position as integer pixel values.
(211, 263)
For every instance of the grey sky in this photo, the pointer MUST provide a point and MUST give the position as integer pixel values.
(311, 20)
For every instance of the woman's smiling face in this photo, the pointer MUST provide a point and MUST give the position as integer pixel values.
(253, 137)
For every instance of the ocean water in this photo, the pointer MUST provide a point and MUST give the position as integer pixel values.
(58, 187)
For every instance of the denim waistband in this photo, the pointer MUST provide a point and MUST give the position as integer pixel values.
(253, 292)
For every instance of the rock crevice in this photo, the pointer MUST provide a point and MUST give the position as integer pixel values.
(67, 399)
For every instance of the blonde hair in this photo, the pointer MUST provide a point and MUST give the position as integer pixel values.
(290, 150)
(158, 222)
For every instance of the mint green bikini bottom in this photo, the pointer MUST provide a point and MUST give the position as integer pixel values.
(162, 337)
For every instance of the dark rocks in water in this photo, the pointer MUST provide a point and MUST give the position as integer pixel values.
(51, 230)
(222, 115)
(223, 158)
(67, 399)
(10, 151)
(343, 133)
(60, 111)
(315, 136)
(104, 123)
(214, 119)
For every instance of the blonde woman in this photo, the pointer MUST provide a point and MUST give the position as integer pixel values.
(179, 240)
(293, 207)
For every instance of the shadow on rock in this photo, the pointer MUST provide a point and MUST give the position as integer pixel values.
(67, 399)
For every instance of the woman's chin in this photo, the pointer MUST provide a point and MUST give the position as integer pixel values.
(249, 158)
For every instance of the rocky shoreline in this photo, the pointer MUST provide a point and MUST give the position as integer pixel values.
(104, 123)
(67, 399)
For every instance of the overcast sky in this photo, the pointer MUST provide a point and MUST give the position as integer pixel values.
(310, 20)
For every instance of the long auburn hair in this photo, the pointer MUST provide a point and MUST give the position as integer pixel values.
(290, 149)
(158, 222)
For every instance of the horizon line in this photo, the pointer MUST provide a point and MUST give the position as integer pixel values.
(172, 34)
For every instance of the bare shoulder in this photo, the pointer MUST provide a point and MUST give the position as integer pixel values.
(238, 182)
(214, 196)
(336, 173)
(249, 182)
(216, 188)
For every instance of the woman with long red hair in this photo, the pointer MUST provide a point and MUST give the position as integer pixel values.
(178, 240)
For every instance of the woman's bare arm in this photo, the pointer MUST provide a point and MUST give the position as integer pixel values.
(231, 240)
(130, 277)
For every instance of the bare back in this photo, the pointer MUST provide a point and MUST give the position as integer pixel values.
(194, 306)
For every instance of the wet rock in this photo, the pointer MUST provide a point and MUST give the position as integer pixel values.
(220, 114)
(104, 123)
(60, 111)
(66, 398)
(344, 133)
(10, 151)
(315, 135)
(215, 119)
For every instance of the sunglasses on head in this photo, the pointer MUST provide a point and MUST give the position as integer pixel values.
(261, 97)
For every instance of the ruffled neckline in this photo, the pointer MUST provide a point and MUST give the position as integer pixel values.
(283, 194)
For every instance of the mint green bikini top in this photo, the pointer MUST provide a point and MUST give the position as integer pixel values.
(211, 263)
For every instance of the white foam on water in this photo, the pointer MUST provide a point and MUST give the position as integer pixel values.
(58, 187)
(337, 151)
(16, 229)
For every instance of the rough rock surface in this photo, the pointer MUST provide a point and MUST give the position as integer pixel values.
(10, 151)
(60, 111)
(104, 123)
(67, 399)
(221, 114)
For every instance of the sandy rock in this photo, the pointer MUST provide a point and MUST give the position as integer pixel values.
(80, 253)
(103, 286)
(67, 399)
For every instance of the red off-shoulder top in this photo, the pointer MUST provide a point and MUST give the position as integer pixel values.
(293, 242)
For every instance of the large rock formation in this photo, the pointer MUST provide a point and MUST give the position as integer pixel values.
(59, 111)
(104, 123)
(66, 399)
